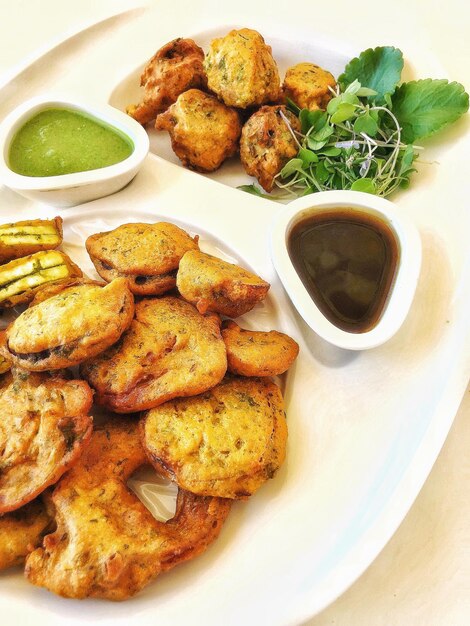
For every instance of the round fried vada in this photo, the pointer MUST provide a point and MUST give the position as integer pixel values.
(241, 69)
(75, 324)
(107, 544)
(226, 442)
(256, 353)
(147, 255)
(309, 86)
(44, 427)
(175, 68)
(203, 131)
(212, 284)
(169, 350)
(267, 143)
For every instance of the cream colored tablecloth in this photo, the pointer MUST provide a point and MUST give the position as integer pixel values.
(422, 577)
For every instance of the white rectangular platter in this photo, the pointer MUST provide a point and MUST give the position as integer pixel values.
(364, 428)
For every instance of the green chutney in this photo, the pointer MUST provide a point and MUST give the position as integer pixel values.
(63, 141)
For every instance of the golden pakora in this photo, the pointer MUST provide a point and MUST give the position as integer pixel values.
(256, 353)
(107, 544)
(309, 86)
(21, 278)
(203, 131)
(212, 284)
(22, 238)
(147, 255)
(21, 531)
(226, 442)
(241, 70)
(175, 68)
(49, 290)
(267, 143)
(76, 324)
(169, 350)
(45, 425)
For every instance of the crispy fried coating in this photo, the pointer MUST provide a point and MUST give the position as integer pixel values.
(107, 544)
(226, 442)
(308, 85)
(169, 350)
(147, 255)
(175, 68)
(267, 143)
(76, 324)
(241, 69)
(5, 364)
(203, 131)
(21, 278)
(21, 531)
(22, 238)
(49, 290)
(45, 425)
(212, 284)
(255, 353)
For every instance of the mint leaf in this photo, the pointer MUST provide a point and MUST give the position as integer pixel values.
(366, 185)
(378, 69)
(365, 123)
(423, 107)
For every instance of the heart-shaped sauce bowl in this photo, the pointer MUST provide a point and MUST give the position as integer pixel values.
(310, 254)
(77, 187)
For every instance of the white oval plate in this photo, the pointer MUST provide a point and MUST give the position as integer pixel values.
(364, 428)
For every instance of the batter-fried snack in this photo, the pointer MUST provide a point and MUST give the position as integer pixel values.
(255, 353)
(49, 290)
(21, 278)
(147, 255)
(169, 350)
(241, 70)
(5, 364)
(175, 68)
(107, 544)
(267, 143)
(203, 131)
(215, 285)
(76, 324)
(308, 85)
(226, 442)
(22, 238)
(21, 531)
(44, 426)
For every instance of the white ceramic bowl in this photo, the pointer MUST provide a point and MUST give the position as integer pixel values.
(72, 189)
(402, 288)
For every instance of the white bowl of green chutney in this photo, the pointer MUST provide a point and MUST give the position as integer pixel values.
(64, 152)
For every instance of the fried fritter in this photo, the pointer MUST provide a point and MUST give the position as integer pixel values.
(44, 426)
(147, 255)
(241, 70)
(21, 278)
(226, 442)
(21, 531)
(255, 353)
(267, 143)
(5, 364)
(212, 284)
(107, 544)
(76, 324)
(203, 131)
(175, 68)
(47, 291)
(169, 350)
(23, 238)
(308, 85)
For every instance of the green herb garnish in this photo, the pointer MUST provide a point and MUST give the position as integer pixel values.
(364, 141)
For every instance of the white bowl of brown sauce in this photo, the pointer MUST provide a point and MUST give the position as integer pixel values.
(350, 263)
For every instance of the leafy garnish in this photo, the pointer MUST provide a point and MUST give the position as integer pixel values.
(423, 107)
(378, 69)
(253, 189)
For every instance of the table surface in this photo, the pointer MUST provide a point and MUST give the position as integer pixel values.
(423, 574)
